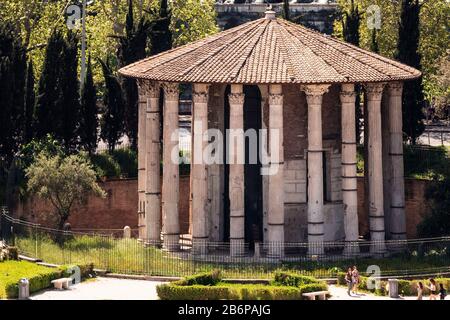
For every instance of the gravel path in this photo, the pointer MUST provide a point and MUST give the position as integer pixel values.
(104, 289)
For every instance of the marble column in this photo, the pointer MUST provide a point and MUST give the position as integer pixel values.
(152, 165)
(142, 108)
(397, 183)
(314, 97)
(348, 164)
(375, 167)
(170, 187)
(236, 173)
(276, 176)
(199, 169)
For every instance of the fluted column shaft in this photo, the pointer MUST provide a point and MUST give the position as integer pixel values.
(199, 170)
(348, 164)
(376, 204)
(236, 173)
(397, 183)
(152, 165)
(314, 96)
(170, 187)
(276, 176)
(142, 107)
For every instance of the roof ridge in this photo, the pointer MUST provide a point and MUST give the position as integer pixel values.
(289, 65)
(249, 52)
(216, 51)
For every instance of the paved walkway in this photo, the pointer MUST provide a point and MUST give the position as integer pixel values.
(104, 289)
(121, 289)
(340, 293)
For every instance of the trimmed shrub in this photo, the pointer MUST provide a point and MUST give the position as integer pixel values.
(204, 279)
(313, 287)
(292, 279)
(195, 292)
(263, 292)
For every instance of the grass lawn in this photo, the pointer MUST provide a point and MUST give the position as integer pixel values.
(12, 271)
(131, 257)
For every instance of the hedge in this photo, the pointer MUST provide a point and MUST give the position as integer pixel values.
(405, 287)
(292, 279)
(207, 286)
(39, 277)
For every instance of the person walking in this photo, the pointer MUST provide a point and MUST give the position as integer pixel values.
(348, 279)
(419, 291)
(442, 291)
(433, 289)
(355, 279)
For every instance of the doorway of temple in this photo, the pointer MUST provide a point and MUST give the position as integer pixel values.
(252, 168)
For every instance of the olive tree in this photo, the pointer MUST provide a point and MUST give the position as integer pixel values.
(63, 181)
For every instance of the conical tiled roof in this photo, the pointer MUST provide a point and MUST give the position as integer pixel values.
(269, 50)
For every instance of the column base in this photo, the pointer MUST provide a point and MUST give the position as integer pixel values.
(275, 250)
(171, 242)
(378, 248)
(200, 246)
(315, 249)
(351, 248)
(237, 247)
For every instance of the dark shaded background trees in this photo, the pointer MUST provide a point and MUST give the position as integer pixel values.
(408, 53)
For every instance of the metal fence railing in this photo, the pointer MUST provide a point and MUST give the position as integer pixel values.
(114, 253)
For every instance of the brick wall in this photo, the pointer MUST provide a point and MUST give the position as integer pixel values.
(117, 210)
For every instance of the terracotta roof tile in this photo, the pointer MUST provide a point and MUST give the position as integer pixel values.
(269, 51)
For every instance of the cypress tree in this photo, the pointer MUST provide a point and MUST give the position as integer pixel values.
(30, 98)
(131, 49)
(408, 53)
(351, 21)
(286, 12)
(47, 112)
(69, 98)
(89, 113)
(112, 118)
(12, 90)
(161, 36)
(374, 47)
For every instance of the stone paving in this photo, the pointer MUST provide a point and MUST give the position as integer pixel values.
(104, 289)
(122, 289)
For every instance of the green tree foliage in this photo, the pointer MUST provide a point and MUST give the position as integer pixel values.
(161, 35)
(57, 105)
(64, 181)
(192, 20)
(30, 100)
(408, 53)
(48, 109)
(89, 113)
(132, 48)
(434, 38)
(69, 98)
(13, 65)
(114, 107)
(438, 222)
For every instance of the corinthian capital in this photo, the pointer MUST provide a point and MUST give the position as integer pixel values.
(149, 88)
(200, 94)
(395, 88)
(276, 99)
(374, 91)
(348, 94)
(314, 92)
(236, 98)
(171, 91)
